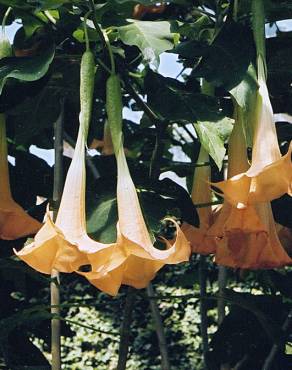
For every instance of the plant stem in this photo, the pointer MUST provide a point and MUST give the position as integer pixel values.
(235, 10)
(258, 25)
(125, 329)
(55, 283)
(85, 30)
(274, 350)
(103, 36)
(222, 281)
(203, 306)
(141, 104)
(165, 365)
(50, 17)
(160, 126)
(5, 19)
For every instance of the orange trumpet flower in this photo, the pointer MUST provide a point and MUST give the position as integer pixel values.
(14, 221)
(270, 175)
(246, 237)
(201, 194)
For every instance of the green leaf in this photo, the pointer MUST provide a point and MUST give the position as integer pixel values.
(171, 99)
(26, 68)
(102, 216)
(34, 115)
(16, 4)
(228, 57)
(213, 136)
(102, 213)
(152, 38)
(51, 4)
(245, 95)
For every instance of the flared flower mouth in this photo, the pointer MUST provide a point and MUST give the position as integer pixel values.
(14, 221)
(135, 260)
(247, 239)
(270, 174)
(63, 245)
(246, 236)
(66, 247)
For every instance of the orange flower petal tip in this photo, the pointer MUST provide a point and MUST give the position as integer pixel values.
(15, 223)
(271, 182)
(130, 263)
(50, 250)
(200, 242)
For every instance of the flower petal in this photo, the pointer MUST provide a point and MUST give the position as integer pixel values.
(50, 250)
(270, 175)
(14, 221)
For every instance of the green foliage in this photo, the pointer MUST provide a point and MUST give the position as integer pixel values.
(152, 38)
(211, 42)
(28, 68)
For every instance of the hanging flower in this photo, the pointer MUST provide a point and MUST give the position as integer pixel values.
(66, 247)
(270, 175)
(246, 237)
(62, 245)
(136, 259)
(201, 195)
(14, 221)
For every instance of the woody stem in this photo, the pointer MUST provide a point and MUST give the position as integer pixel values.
(55, 282)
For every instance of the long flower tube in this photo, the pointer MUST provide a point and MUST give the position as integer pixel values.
(247, 237)
(201, 194)
(63, 245)
(14, 221)
(270, 174)
(141, 260)
(55, 245)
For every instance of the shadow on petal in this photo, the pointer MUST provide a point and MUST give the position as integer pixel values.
(247, 239)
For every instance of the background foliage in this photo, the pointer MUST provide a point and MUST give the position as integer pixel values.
(42, 79)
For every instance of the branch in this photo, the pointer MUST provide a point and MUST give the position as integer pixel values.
(55, 283)
(222, 280)
(125, 329)
(203, 307)
(274, 350)
(140, 102)
(159, 329)
(159, 124)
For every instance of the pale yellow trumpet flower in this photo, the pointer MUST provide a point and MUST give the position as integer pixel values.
(136, 259)
(270, 174)
(66, 247)
(14, 221)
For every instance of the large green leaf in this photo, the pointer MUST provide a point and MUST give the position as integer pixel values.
(34, 115)
(26, 68)
(213, 136)
(173, 101)
(228, 57)
(152, 38)
(16, 3)
(102, 214)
